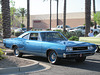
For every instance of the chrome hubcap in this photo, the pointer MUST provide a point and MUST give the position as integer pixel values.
(53, 57)
(16, 52)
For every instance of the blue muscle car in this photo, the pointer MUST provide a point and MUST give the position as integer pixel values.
(50, 44)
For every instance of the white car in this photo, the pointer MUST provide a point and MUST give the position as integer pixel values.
(97, 26)
(20, 30)
(82, 29)
(60, 27)
(79, 28)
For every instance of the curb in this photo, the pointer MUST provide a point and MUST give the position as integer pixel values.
(46, 67)
(21, 68)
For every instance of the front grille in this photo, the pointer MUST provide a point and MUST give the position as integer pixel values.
(79, 48)
(78, 55)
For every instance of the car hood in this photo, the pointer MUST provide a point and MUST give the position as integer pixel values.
(74, 43)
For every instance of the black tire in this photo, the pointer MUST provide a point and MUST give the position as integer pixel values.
(98, 49)
(80, 59)
(17, 52)
(52, 57)
(95, 33)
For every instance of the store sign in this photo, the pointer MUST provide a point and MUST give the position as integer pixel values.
(37, 21)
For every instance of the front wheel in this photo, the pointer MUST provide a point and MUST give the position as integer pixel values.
(52, 57)
(98, 49)
(17, 52)
(80, 59)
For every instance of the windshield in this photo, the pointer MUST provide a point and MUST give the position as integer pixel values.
(52, 36)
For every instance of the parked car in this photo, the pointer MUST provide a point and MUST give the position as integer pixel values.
(82, 29)
(20, 30)
(95, 40)
(50, 44)
(97, 26)
(79, 28)
(60, 27)
(13, 28)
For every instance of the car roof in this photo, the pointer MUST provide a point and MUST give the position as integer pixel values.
(39, 31)
(62, 25)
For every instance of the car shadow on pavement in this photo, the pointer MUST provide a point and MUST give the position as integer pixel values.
(89, 64)
(37, 58)
(92, 65)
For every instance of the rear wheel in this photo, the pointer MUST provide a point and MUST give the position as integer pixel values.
(17, 53)
(52, 57)
(80, 59)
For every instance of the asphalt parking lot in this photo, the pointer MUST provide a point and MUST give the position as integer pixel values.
(90, 67)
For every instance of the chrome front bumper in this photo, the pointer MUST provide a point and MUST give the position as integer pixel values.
(77, 55)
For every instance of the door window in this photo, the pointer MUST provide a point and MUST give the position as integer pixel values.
(34, 36)
(26, 36)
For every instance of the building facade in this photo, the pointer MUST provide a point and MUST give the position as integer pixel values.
(43, 21)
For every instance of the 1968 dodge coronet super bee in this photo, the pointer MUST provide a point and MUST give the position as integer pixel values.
(50, 44)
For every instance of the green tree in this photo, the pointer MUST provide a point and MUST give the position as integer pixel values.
(22, 25)
(94, 12)
(87, 16)
(90, 25)
(21, 13)
(97, 17)
(6, 18)
(28, 14)
(12, 11)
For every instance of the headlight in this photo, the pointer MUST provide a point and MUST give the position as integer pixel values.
(69, 49)
(90, 47)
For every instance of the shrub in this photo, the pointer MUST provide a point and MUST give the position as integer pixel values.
(74, 38)
(47, 29)
(22, 25)
(70, 34)
(58, 30)
(2, 53)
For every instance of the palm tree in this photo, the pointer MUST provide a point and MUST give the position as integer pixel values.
(6, 18)
(12, 13)
(22, 13)
(28, 14)
(87, 16)
(50, 14)
(64, 16)
(57, 10)
(94, 11)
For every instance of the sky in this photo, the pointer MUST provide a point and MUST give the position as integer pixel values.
(42, 7)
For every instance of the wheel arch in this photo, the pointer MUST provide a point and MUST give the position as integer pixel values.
(14, 46)
(49, 51)
(95, 32)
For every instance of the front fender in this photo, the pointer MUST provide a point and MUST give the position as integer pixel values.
(58, 48)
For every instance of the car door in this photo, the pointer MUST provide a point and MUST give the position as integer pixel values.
(33, 44)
